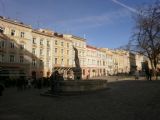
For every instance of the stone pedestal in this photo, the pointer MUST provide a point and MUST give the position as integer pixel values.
(77, 73)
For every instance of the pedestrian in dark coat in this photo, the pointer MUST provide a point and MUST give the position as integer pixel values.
(54, 81)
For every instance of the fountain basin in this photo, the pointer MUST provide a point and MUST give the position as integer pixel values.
(81, 85)
(76, 87)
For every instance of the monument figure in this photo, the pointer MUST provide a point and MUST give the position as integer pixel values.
(77, 69)
(76, 59)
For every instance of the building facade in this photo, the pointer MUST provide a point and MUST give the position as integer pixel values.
(15, 42)
(25, 51)
(121, 61)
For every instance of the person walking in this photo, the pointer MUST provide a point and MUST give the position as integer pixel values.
(148, 74)
(54, 81)
(136, 75)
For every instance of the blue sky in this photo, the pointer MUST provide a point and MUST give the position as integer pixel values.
(104, 23)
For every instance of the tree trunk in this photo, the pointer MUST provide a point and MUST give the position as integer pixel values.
(154, 72)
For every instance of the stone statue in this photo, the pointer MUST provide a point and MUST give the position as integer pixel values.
(77, 70)
(76, 59)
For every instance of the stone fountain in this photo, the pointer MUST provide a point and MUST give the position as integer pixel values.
(76, 86)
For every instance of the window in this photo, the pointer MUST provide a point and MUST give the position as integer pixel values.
(1, 58)
(79, 53)
(21, 46)
(2, 44)
(88, 61)
(1, 30)
(41, 62)
(47, 63)
(82, 53)
(55, 50)
(103, 63)
(61, 43)
(41, 42)
(97, 62)
(48, 52)
(83, 71)
(34, 40)
(56, 60)
(81, 44)
(67, 52)
(12, 45)
(61, 61)
(61, 51)
(83, 62)
(41, 51)
(67, 61)
(67, 45)
(22, 34)
(21, 59)
(33, 62)
(48, 44)
(33, 51)
(12, 58)
(12, 32)
(56, 43)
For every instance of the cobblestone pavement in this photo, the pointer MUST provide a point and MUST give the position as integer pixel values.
(124, 100)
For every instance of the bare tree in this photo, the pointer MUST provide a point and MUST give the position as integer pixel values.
(146, 35)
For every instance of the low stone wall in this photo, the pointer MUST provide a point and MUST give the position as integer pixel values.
(81, 85)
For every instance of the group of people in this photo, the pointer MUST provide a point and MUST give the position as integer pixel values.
(30, 82)
(148, 73)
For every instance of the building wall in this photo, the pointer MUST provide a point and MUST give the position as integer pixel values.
(44, 51)
(62, 52)
(121, 61)
(109, 61)
(17, 40)
(42, 46)
(91, 62)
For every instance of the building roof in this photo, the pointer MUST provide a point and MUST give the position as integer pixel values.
(49, 34)
(91, 47)
(16, 22)
(74, 37)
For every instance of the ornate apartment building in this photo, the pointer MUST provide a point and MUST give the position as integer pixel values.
(121, 61)
(37, 53)
(15, 53)
(25, 51)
